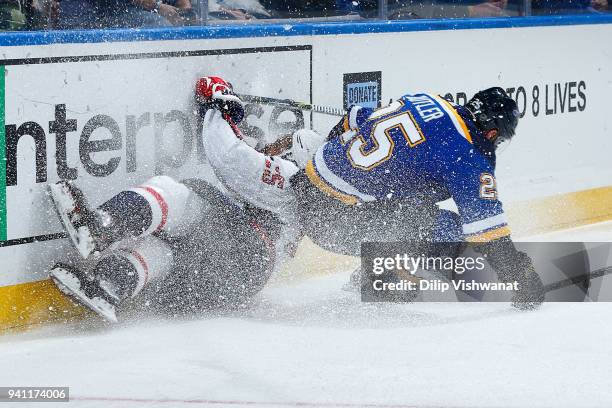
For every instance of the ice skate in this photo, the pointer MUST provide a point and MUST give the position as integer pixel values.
(80, 223)
(86, 291)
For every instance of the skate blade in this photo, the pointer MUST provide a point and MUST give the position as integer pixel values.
(64, 205)
(69, 284)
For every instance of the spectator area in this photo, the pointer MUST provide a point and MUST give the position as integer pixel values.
(36, 15)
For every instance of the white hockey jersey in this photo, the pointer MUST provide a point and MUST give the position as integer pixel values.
(251, 176)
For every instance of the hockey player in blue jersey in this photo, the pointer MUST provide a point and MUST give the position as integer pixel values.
(381, 173)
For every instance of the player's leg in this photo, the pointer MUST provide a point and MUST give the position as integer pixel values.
(159, 205)
(341, 228)
(126, 272)
(223, 262)
(444, 240)
(117, 276)
(175, 205)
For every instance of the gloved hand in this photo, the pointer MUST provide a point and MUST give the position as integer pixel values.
(511, 266)
(215, 92)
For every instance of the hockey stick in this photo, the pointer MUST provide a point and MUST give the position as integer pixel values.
(578, 279)
(325, 110)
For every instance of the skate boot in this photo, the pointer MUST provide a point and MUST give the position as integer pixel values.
(85, 290)
(112, 280)
(88, 229)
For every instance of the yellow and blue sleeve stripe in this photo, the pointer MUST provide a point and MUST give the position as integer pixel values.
(318, 182)
(487, 229)
(491, 235)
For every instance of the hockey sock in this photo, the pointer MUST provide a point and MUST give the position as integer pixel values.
(130, 213)
(131, 269)
(119, 275)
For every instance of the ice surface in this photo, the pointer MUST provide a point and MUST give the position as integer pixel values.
(310, 344)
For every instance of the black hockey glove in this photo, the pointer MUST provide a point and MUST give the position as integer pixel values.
(512, 265)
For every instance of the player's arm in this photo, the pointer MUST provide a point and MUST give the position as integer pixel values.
(260, 179)
(486, 228)
(252, 176)
(249, 174)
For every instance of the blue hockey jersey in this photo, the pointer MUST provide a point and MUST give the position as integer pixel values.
(419, 145)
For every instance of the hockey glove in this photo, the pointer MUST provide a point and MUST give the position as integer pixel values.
(530, 292)
(215, 92)
(512, 265)
(346, 124)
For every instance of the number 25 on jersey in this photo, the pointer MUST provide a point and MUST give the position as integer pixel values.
(366, 154)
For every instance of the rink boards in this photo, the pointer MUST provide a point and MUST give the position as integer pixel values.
(111, 110)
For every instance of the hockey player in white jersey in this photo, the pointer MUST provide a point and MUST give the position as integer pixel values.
(190, 245)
